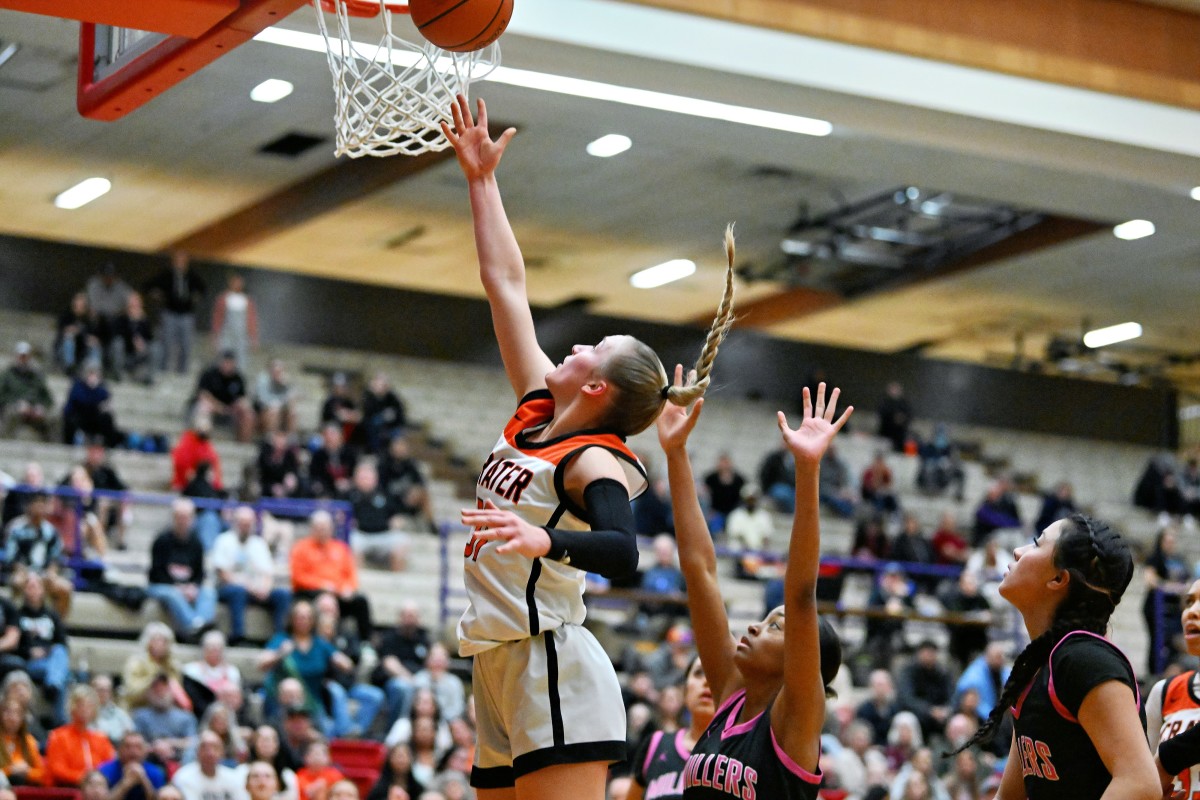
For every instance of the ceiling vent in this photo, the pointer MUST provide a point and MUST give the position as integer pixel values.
(292, 145)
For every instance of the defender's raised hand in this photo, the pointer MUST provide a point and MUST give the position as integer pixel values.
(478, 155)
(675, 423)
(809, 442)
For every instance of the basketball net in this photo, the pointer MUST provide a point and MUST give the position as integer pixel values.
(392, 96)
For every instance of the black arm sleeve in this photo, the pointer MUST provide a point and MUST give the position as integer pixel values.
(1180, 752)
(610, 547)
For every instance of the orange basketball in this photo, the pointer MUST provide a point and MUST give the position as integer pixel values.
(461, 25)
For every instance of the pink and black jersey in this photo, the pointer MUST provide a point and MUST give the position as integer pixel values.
(744, 761)
(1057, 756)
(511, 597)
(659, 764)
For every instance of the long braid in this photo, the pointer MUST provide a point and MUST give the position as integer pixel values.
(695, 389)
(1100, 568)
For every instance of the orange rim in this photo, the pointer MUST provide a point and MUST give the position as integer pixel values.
(363, 8)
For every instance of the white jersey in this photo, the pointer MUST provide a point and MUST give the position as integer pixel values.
(511, 597)
(1180, 711)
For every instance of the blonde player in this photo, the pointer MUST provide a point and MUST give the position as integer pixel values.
(553, 504)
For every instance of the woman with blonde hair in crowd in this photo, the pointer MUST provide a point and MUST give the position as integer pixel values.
(155, 657)
(221, 721)
(264, 747)
(542, 680)
(20, 760)
(262, 781)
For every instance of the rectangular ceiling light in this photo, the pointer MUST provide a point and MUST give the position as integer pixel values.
(83, 193)
(577, 87)
(666, 272)
(1134, 229)
(272, 90)
(1102, 337)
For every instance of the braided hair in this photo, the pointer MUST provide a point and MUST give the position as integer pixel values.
(1100, 567)
(641, 380)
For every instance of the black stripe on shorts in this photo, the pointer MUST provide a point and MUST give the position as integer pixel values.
(556, 718)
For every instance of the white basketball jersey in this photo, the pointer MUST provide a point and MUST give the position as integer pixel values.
(509, 596)
(1180, 711)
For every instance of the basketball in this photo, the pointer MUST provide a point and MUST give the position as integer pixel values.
(461, 25)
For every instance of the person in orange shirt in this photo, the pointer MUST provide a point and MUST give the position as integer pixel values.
(321, 563)
(318, 774)
(19, 758)
(74, 750)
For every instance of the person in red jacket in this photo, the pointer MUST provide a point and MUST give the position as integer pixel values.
(192, 449)
(74, 749)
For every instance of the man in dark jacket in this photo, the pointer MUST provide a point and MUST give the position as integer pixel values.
(926, 688)
(177, 574)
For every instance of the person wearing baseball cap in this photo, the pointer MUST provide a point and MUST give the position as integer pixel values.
(25, 398)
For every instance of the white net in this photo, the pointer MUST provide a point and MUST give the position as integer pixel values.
(392, 95)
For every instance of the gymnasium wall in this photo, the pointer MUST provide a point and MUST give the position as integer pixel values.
(40, 276)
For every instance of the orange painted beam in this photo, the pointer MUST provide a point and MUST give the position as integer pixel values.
(189, 18)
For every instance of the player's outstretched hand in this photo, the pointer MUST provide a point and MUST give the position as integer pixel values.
(478, 155)
(490, 524)
(809, 442)
(675, 423)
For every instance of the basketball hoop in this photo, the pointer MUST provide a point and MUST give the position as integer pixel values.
(392, 96)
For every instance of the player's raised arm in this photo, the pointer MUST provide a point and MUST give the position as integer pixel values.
(697, 556)
(501, 266)
(799, 712)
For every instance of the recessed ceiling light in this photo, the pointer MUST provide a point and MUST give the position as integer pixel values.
(1196, 193)
(272, 90)
(1134, 229)
(666, 272)
(1102, 337)
(609, 145)
(83, 193)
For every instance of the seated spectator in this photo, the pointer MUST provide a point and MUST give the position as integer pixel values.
(777, 477)
(1167, 580)
(835, 491)
(208, 524)
(749, 527)
(668, 664)
(107, 296)
(383, 415)
(1056, 505)
(75, 340)
(177, 574)
(25, 398)
(1156, 489)
(963, 779)
(44, 646)
(261, 780)
(911, 547)
(652, 512)
(925, 687)
(918, 780)
(35, 547)
(10, 640)
(966, 641)
(378, 537)
(78, 518)
(104, 476)
(132, 352)
(724, 488)
(339, 407)
(990, 563)
(20, 761)
(996, 511)
(278, 467)
(986, 675)
(300, 653)
(75, 748)
(318, 774)
(891, 599)
(207, 778)
(169, 729)
(213, 669)
(665, 578)
(870, 541)
(32, 479)
(1189, 486)
(332, 464)
(401, 652)
(401, 477)
(397, 773)
(18, 687)
(940, 466)
(904, 739)
(265, 749)
(130, 775)
(111, 720)
(949, 545)
(155, 658)
(94, 786)
(446, 686)
(880, 706)
(245, 573)
(221, 720)
(343, 685)
(851, 761)
(221, 396)
(895, 415)
(275, 400)
(193, 449)
(320, 563)
(297, 726)
(877, 485)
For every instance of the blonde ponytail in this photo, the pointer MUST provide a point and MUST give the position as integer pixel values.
(695, 388)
